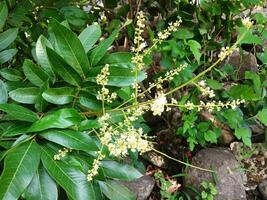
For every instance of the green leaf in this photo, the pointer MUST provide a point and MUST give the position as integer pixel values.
(244, 134)
(41, 104)
(118, 59)
(210, 136)
(20, 166)
(11, 74)
(262, 115)
(98, 52)
(62, 118)
(7, 55)
(69, 47)
(3, 13)
(15, 129)
(75, 16)
(7, 37)
(89, 36)
(213, 84)
(34, 73)
(3, 92)
(42, 56)
(256, 81)
(242, 91)
(115, 191)
(120, 171)
(249, 37)
(233, 117)
(25, 95)
(183, 33)
(90, 102)
(195, 48)
(19, 112)
(119, 76)
(42, 187)
(71, 139)
(263, 56)
(59, 96)
(63, 69)
(72, 180)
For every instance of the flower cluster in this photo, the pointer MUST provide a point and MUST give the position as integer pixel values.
(61, 153)
(121, 137)
(138, 39)
(213, 105)
(94, 171)
(206, 91)
(168, 76)
(158, 105)
(102, 79)
(247, 22)
(140, 44)
(226, 51)
(171, 28)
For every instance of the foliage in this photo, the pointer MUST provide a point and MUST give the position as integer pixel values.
(70, 100)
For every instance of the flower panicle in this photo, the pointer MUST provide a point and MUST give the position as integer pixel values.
(61, 153)
(102, 79)
(96, 164)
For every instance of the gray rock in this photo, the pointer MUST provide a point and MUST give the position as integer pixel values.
(263, 189)
(243, 62)
(141, 187)
(228, 174)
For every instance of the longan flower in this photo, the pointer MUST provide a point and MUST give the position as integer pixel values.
(158, 105)
(61, 153)
(226, 51)
(206, 91)
(247, 22)
(96, 164)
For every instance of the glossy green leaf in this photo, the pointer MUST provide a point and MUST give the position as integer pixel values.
(42, 56)
(15, 129)
(69, 47)
(11, 74)
(115, 191)
(34, 73)
(118, 59)
(3, 13)
(89, 36)
(41, 104)
(7, 37)
(42, 187)
(3, 92)
(262, 115)
(21, 164)
(90, 102)
(71, 139)
(98, 52)
(7, 55)
(74, 15)
(72, 180)
(19, 112)
(63, 69)
(62, 118)
(59, 96)
(120, 171)
(119, 76)
(25, 95)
